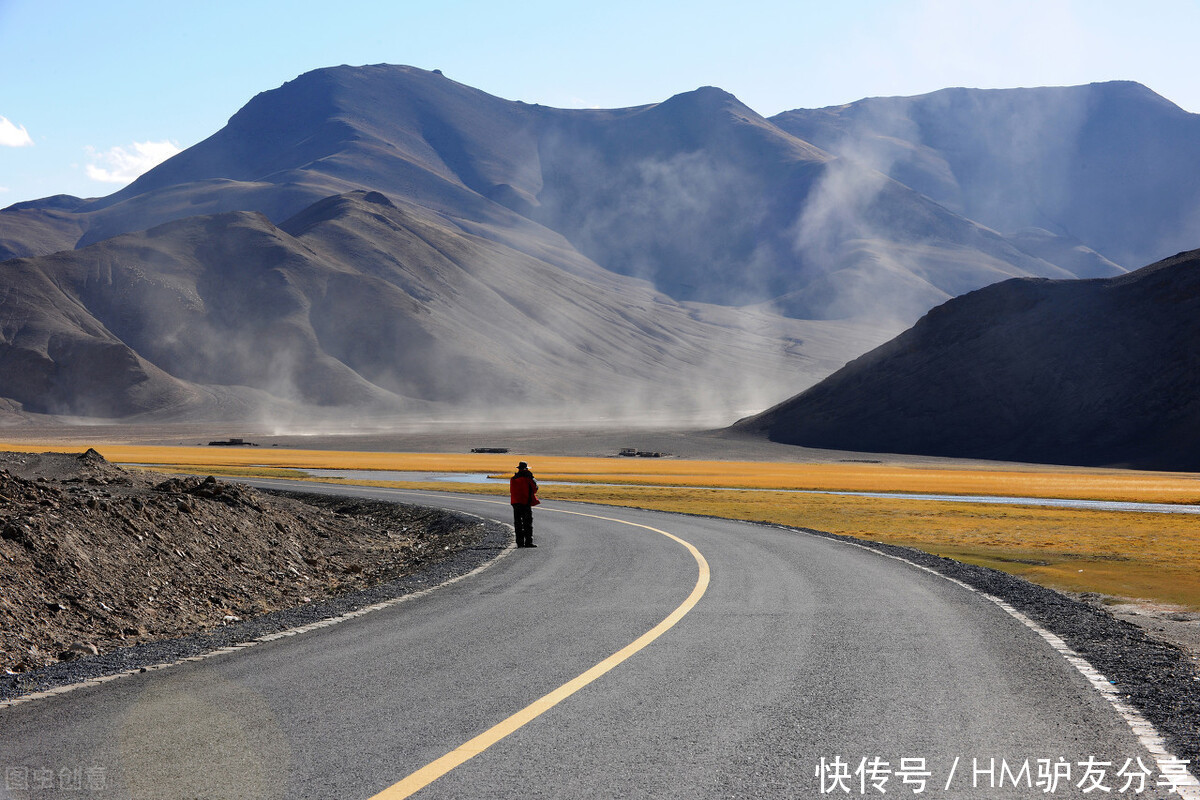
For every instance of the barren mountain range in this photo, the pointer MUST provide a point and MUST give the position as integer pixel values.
(385, 240)
(357, 304)
(1108, 167)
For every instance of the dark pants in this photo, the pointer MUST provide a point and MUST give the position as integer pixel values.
(523, 522)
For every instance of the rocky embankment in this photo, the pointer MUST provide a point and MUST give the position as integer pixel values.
(97, 558)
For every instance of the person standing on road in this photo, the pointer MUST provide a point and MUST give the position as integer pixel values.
(522, 492)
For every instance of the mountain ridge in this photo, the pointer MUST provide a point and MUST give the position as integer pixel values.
(1107, 164)
(682, 193)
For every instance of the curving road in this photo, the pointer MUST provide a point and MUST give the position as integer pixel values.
(801, 652)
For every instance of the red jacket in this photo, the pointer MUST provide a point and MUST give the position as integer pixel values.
(522, 489)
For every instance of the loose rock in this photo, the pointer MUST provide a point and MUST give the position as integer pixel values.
(150, 557)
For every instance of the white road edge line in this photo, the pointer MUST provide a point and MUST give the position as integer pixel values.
(1147, 735)
(270, 637)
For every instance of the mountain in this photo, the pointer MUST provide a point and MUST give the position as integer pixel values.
(373, 238)
(1111, 166)
(698, 194)
(709, 201)
(356, 305)
(1088, 372)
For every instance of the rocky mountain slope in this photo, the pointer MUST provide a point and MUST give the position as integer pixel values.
(356, 305)
(698, 194)
(1090, 372)
(1109, 166)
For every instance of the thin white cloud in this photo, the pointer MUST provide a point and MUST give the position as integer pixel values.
(12, 135)
(125, 164)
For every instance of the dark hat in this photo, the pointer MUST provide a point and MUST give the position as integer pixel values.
(522, 465)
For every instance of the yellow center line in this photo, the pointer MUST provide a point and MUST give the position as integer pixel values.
(436, 769)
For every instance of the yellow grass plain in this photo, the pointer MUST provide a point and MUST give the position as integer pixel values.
(1129, 555)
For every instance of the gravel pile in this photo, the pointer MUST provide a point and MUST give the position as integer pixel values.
(104, 569)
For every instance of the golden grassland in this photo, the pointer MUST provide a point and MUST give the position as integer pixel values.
(1121, 554)
(1016, 481)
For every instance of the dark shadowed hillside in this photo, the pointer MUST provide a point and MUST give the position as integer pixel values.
(1095, 372)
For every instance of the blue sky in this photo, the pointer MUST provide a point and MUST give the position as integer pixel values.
(92, 93)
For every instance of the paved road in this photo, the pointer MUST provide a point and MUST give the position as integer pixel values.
(800, 649)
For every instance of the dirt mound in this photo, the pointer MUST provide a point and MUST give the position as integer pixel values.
(96, 557)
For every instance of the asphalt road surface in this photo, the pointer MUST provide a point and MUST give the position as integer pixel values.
(796, 666)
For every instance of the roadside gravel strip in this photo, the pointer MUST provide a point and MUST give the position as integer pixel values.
(495, 539)
(1158, 679)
